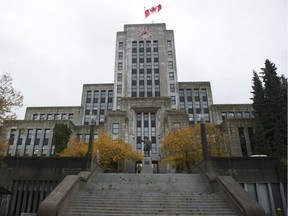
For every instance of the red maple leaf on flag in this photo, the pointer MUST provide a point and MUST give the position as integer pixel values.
(153, 9)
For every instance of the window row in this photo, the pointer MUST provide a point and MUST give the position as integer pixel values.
(57, 116)
(27, 136)
(239, 114)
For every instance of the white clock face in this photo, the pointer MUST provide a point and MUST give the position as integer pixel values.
(144, 33)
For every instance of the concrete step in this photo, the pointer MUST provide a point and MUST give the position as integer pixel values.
(147, 194)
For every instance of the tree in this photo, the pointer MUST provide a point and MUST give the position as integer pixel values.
(183, 147)
(109, 152)
(75, 148)
(9, 98)
(270, 111)
(61, 135)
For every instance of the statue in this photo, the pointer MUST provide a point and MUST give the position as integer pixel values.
(147, 146)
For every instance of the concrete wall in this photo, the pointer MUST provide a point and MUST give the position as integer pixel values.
(31, 179)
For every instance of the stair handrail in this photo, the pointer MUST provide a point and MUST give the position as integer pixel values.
(238, 197)
(57, 200)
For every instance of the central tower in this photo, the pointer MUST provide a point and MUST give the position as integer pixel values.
(145, 64)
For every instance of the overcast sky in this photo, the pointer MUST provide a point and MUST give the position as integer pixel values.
(52, 47)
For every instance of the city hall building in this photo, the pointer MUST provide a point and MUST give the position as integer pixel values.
(145, 100)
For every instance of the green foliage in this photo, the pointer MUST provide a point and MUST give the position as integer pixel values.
(61, 135)
(270, 111)
(9, 98)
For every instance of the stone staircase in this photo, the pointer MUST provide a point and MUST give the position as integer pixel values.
(147, 194)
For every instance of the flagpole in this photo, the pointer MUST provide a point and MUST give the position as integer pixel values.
(144, 15)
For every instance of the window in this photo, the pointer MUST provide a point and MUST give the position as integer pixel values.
(230, 115)
(170, 65)
(246, 114)
(29, 137)
(239, 115)
(243, 141)
(57, 116)
(49, 117)
(156, 55)
(64, 117)
(169, 43)
(38, 136)
(119, 77)
(86, 120)
(20, 137)
(120, 65)
(115, 129)
(120, 56)
(148, 44)
(120, 45)
(204, 94)
(42, 116)
(170, 54)
(182, 105)
(173, 100)
(172, 88)
(118, 101)
(46, 136)
(171, 75)
(96, 96)
(35, 116)
(12, 136)
(155, 43)
(156, 65)
(119, 88)
(70, 116)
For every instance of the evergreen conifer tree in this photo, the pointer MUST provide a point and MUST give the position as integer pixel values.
(270, 111)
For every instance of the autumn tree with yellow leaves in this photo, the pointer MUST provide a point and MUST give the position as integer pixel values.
(109, 152)
(183, 147)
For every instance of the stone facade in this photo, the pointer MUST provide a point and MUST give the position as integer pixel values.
(145, 100)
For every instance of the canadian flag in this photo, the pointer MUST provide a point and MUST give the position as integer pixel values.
(153, 10)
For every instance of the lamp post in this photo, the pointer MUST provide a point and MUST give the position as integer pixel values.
(204, 141)
(89, 154)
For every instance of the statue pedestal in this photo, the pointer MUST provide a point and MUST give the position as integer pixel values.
(147, 165)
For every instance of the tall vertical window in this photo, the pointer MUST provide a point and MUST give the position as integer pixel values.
(170, 54)
(242, 139)
(115, 130)
(146, 128)
(29, 137)
(20, 137)
(170, 64)
(46, 136)
(38, 136)
(196, 95)
(12, 136)
(204, 94)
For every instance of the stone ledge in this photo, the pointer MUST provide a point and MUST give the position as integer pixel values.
(238, 197)
(57, 199)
